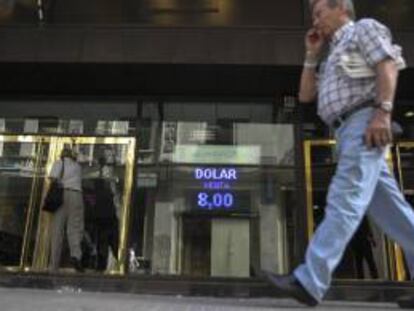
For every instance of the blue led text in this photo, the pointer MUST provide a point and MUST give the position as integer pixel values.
(215, 174)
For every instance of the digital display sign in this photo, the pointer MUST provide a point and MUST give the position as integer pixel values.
(215, 200)
(216, 190)
(215, 173)
(219, 201)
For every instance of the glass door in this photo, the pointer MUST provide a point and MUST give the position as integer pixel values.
(107, 176)
(405, 168)
(23, 159)
(370, 253)
(405, 171)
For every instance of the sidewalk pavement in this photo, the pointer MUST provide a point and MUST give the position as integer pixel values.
(72, 299)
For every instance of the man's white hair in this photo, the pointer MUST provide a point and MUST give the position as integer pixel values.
(349, 5)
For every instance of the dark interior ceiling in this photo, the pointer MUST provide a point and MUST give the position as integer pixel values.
(146, 80)
(57, 79)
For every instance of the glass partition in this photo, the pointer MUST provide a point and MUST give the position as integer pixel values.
(405, 157)
(405, 172)
(25, 230)
(220, 201)
(370, 254)
(75, 118)
(107, 170)
(23, 161)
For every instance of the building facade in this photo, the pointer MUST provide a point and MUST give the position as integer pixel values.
(187, 111)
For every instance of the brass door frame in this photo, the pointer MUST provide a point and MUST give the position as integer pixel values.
(39, 141)
(308, 144)
(398, 146)
(57, 144)
(394, 258)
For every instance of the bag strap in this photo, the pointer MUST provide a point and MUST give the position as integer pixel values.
(62, 171)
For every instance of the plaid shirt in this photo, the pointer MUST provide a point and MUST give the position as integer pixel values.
(338, 92)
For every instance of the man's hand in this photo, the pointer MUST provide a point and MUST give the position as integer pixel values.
(314, 42)
(378, 133)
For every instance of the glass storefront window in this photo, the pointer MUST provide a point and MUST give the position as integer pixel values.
(383, 258)
(26, 231)
(147, 142)
(22, 163)
(68, 118)
(215, 182)
(405, 168)
(219, 200)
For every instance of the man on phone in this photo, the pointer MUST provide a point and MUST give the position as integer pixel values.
(357, 103)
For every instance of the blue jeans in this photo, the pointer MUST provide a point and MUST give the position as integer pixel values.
(362, 184)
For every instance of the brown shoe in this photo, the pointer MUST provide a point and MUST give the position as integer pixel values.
(289, 286)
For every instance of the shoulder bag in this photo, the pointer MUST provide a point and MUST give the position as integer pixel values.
(54, 196)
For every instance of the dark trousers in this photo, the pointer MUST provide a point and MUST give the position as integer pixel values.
(106, 236)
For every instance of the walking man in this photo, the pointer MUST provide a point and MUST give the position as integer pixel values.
(351, 68)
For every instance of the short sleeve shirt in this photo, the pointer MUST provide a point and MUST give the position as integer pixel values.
(72, 175)
(337, 91)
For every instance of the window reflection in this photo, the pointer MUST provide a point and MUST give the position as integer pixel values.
(220, 202)
(71, 118)
(238, 143)
(215, 182)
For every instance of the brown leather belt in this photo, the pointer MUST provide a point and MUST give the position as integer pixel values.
(344, 116)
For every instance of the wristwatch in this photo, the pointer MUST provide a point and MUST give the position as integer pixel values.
(385, 106)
